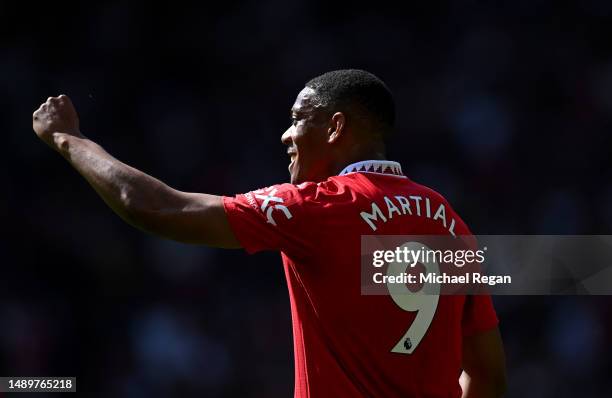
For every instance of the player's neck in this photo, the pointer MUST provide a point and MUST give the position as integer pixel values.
(359, 155)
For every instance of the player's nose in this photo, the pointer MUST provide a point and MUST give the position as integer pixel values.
(286, 137)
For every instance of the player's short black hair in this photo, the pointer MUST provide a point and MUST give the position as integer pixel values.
(359, 94)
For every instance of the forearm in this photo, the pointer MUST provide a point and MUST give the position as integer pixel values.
(138, 198)
(125, 189)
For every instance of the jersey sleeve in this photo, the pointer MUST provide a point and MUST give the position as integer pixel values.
(278, 217)
(478, 315)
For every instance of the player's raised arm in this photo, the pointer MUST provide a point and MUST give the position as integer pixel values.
(138, 198)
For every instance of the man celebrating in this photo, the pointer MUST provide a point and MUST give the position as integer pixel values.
(346, 344)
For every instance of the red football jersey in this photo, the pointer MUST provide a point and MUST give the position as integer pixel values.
(343, 340)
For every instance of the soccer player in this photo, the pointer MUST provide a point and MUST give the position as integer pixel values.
(342, 187)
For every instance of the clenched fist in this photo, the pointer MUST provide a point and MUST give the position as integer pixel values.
(57, 115)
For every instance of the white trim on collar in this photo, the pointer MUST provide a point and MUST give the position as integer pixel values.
(386, 167)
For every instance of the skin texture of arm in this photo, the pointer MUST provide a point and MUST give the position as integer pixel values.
(141, 200)
(484, 369)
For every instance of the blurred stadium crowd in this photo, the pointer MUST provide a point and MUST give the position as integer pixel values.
(505, 109)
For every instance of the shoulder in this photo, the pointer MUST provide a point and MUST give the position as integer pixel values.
(332, 192)
(346, 189)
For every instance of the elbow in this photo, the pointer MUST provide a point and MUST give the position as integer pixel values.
(501, 385)
(144, 213)
(485, 384)
(497, 385)
(499, 389)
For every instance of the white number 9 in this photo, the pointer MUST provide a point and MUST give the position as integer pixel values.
(425, 304)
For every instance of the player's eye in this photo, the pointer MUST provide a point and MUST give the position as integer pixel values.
(294, 121)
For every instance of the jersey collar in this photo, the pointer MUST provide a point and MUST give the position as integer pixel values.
(374, 166)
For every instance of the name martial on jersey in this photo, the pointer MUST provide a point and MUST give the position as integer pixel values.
(412, 205)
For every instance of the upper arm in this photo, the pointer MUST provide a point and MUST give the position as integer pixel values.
(484, 360)
(190, 218)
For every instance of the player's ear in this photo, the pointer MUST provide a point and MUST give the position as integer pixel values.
(336, 127)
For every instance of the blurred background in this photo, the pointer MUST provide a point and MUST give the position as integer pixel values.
(506, 109)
